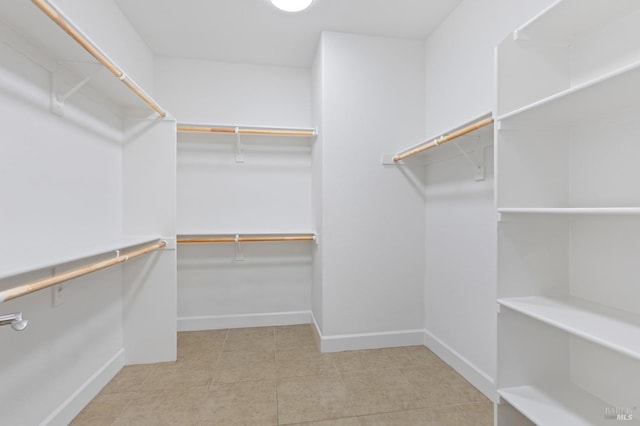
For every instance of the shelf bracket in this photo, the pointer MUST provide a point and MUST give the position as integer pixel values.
(57, 291)
(58, 98)
(239, 249)
(478, 167)
(239, 150)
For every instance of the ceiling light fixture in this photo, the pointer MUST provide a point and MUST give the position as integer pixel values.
(292, 5)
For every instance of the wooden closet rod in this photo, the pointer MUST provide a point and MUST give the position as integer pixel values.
(443, 139)
(246, 130)
(247, 239)
(94, 51)
(25, 289)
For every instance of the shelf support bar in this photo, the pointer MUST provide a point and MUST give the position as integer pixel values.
(58, 100)
(479, 168)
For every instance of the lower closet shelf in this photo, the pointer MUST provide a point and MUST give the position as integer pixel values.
(611, 328)
(560, 404)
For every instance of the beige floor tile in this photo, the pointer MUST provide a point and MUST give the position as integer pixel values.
(178, 376)
(411, 356)
(380, 391)
(245, 366)
(167, 407)
(421, 417)
(294, 336)
(200, 344)
(130, 378)
(104, 409)
(247, 403)
(259, 376)
(347, 421)
(473, 414)
(312, 398)
(250, 340)
(441, 385)
(350, 361)
(303, 361)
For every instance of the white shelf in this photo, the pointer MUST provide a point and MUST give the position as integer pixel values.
(39, 257)
(226, 234)
(608, 327)
(27, 30)
(571, 210)
(559, 404)
(569, 19)
(246, 130)
(483, 136)
(586, 101)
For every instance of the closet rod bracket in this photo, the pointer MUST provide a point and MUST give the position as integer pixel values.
(238, 249)
(239, 150)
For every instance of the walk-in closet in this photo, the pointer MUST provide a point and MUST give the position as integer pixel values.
(319, 212)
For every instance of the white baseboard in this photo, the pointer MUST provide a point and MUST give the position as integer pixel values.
(241, 321)
(470, 372)
(350, 342)
(86, 392)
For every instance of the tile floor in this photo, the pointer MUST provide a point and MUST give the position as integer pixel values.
(276, 376)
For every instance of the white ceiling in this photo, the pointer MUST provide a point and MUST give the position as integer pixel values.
(253, 31)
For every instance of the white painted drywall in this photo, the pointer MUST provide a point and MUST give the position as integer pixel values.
(460, 221)
(149, 208)
(268, 192)
(372, 239)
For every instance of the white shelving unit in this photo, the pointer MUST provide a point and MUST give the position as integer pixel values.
(568, 203)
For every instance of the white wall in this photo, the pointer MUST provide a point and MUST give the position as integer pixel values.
(149, 208)
(268, 192)
(460, 59)
(372, 240)
(317, 114)
(239, 94)
(61, 183)
(460, 220)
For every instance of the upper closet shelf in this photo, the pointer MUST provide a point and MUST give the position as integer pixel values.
(247, 130)
(243, 238)
(35, 257)
(470, 129)
(581, 103)
(566, 20)
(38, 30)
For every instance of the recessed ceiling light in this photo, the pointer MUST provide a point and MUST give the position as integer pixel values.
(292, 5)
